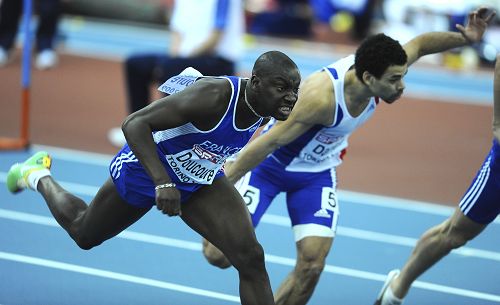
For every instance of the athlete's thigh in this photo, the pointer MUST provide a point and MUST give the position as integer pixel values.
(108, 214)
(481, 202)
(464, 227)
(217, 212)
(258, 191)
(313, 207)
(313, 248)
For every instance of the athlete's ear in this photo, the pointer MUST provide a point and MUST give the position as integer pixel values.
(255, 81)
(368, 78)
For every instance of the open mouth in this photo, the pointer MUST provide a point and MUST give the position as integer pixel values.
(398, 95)
(285, 110)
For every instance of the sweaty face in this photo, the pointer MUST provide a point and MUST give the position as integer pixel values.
(280, 92)
(390, 86)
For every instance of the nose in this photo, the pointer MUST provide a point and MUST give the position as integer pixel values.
(291, 97)
(401, 86)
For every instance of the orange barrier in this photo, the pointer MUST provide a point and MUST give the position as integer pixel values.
(23, 141)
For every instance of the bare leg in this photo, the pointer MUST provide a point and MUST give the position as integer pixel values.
(299, 285)
(215, 256)
(106, 216)
(434, 244)
(218, 213)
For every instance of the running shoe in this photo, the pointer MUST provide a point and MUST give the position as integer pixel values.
(17, 177)
(380, 299)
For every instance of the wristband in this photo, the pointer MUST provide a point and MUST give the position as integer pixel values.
(166, 185)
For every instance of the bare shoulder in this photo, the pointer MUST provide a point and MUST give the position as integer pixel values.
(213, 86)
(205, 101)
(316, 99)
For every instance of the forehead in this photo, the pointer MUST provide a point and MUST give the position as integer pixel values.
(395, 71)
(289, 76)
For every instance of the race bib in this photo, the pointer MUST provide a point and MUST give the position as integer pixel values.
(180, 82)
(196, 165)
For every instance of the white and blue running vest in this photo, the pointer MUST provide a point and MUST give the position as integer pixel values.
(320, 148)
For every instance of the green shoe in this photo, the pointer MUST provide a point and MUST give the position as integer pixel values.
(17, 177)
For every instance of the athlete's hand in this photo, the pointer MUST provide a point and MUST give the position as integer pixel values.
(476, 25)
(168, 200)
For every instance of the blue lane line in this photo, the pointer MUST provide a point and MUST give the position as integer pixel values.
(106, 259)
(355, 253)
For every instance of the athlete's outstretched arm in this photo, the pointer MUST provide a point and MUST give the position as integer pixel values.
(496, 100)
(435, 42)
(312, 108)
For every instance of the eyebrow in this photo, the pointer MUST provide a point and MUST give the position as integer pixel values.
(282, 81)
(279, 79)
(399, 75)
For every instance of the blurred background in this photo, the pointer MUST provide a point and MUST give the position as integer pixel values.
(331, 21)
(102, 53)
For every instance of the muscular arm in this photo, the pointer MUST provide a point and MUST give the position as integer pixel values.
(435, 42)
(170, 112)
(314, 107)
(496, 98)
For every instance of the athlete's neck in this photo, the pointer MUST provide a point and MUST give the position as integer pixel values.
(356, 94)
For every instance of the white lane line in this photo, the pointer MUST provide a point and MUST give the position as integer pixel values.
(278, 220)
(116, 276)
(381, 278)
(384, 238)
(196, 246)
(344, 195)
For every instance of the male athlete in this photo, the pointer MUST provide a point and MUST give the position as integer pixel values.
(299, 156)
(479, 207)
(176, 150)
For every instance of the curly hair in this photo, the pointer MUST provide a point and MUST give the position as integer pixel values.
(376, 53)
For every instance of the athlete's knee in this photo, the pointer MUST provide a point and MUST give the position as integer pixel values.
(452, 237)
(249, 258)
(86, 242)
(455, 239)
(214, 256)
(83, 239)
(310, 265)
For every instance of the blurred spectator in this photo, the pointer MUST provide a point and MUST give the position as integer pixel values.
(403, 20)
(205, 34)
(141, 11)
(353, 16)
(49, 12)
(288, 18)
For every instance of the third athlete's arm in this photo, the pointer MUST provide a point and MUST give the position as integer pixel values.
(435, 42)
(496, 99)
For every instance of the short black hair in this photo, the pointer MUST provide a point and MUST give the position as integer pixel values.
(376, 53)
(268, 62)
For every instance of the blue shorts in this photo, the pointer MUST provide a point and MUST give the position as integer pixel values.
(135, 186)
(481, 202)
(311, 197)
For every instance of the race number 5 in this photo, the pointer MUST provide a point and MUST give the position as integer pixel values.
(251, 196)
(329, 199)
